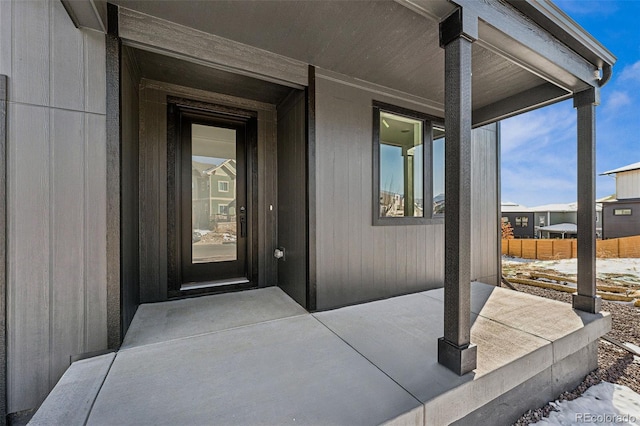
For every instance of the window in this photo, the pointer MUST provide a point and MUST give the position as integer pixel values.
(222, 209)
(223, 186)
(505, 219)
(402, 183)
(438, 170)
(518, 221)
(525, 221)
(622, 212)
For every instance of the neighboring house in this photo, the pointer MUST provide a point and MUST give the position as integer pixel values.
(222, 181)
(559, 230)
(520, 218)
(200, 197)
(621, 216)
(534, 222)
(325, 100)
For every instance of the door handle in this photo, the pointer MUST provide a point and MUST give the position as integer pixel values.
(243, 222)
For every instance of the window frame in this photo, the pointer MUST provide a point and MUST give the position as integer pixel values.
(427, 166)
(622, 211)
(225, 182)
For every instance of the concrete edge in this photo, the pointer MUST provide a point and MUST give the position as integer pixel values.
(446, 408)
(537, 391)
(71, 400)
(590, 332)
(410, 418)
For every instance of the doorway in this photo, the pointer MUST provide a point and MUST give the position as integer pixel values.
(209, 205)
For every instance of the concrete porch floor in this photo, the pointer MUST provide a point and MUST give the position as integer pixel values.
(256, 357)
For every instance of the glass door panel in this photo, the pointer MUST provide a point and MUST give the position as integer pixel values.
(213, 196)
(214, 221)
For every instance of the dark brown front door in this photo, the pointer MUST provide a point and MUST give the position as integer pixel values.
(210, 189)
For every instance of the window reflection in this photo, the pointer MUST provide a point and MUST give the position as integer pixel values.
(438, 170)
(213, 194)
(401, 166)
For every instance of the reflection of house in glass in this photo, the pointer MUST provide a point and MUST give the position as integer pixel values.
(222, 181)
(438, 204)
(391, 204)
(213, 193)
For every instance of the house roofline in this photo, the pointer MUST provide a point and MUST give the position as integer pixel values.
(564, 28)
(627, 168)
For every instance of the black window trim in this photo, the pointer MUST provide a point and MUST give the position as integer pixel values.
(427, 173)
(622, 211)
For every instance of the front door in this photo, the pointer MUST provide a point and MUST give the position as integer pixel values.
(210, 199)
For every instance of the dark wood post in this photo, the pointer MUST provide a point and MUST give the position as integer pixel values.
(586, 299)
(455, 351)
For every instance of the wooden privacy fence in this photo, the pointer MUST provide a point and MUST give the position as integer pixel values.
(544, 249)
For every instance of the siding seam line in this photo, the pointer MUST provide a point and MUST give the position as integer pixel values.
(51, 209)
(85, 339)
(9, 272)
(56, 108)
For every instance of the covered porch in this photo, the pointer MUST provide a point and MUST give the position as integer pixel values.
(257, 357)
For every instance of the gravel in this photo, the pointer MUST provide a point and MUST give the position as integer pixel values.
(615, 365)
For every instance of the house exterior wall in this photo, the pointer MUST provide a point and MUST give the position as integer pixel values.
(485, 202)
(628, 185)
(520, 231)
(357, 261)
(56, 279)
(563, 217)
(541, 219)
(617, 226)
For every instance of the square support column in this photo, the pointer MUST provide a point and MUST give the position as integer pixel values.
(586, 298)
(455, 350)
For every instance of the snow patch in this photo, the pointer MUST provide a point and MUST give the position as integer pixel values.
(628, 266)
(603, 404)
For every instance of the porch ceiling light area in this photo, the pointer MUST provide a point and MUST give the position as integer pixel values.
(384, 43)
(168, 69)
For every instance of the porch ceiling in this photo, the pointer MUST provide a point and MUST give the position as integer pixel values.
(380, 42)
(154, 66)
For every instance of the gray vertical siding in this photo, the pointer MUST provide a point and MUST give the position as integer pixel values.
(357, 261)
(3, 247)
(485, 217)
(56, 281)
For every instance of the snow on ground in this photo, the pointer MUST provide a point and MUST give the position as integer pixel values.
(603, 404)
(630, 267)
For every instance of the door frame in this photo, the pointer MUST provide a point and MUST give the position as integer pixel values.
(176, 107)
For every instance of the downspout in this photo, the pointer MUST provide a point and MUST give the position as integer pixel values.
(606, 74)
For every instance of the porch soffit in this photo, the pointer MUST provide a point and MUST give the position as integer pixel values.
(154, 66)
(385, 43)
